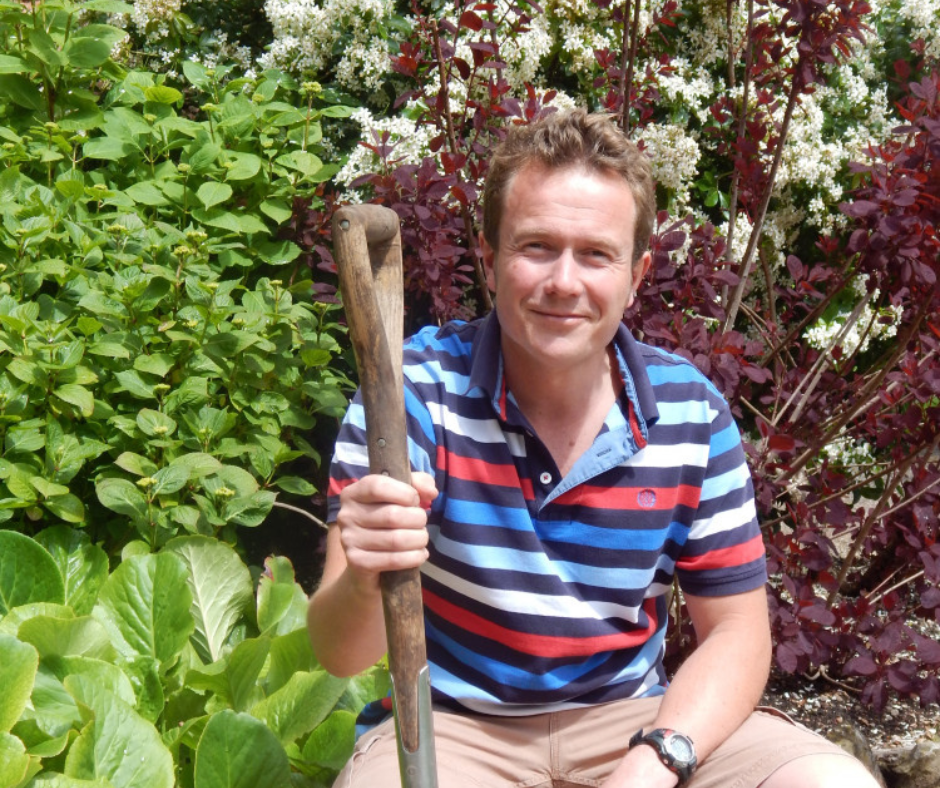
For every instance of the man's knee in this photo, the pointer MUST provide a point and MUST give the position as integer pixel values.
(822, 771)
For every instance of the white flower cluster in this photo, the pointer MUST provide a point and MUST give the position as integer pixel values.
(222, 51)
(924, 18)
(809, 158)
(846, 452)
(674, 155)
(308, 32)
(152, 17)
(525, 53)
(577, 28)
(688, 86)
(870, 326)
(706, 40)
(411, 145)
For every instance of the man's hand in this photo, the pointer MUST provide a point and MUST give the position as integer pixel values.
(383, 525)
(641, 768)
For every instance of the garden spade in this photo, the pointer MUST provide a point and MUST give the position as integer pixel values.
(367, 244)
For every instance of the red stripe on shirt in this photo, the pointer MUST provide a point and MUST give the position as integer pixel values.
(632, 498)
(736, 555)
(482, 472)
(635, 426)
(549, 646)
(336, 486)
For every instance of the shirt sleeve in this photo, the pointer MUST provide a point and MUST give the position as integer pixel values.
(724, 553)
(350, 455)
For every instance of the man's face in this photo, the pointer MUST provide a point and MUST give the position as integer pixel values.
(563, 274)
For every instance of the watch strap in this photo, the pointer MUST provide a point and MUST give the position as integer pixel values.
(657, 740)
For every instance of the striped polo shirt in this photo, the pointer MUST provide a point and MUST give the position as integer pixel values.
(545, 592)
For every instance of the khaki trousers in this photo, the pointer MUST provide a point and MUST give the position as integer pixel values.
(579, 747)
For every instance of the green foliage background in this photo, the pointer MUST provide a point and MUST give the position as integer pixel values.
(164, 375)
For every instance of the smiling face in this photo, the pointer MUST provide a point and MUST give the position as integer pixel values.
(563, 274)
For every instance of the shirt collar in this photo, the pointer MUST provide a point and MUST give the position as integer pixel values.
(486, 371)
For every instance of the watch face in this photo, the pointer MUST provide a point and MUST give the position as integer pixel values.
(680, 748)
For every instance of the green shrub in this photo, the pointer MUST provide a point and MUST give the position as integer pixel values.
(173, 670)
(161, 360)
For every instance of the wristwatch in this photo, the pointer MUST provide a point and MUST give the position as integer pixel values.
(677, 752)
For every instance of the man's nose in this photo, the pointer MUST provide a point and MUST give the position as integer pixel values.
(563, 277)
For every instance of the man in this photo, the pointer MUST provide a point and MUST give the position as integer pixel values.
(563, 474)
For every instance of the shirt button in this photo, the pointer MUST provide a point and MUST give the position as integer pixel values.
(545, 478)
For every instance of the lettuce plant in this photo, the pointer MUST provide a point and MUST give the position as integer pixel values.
(175, 669)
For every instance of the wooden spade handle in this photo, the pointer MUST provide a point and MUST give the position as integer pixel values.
(367, 245)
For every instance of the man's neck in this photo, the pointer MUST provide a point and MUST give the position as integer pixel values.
(567, 409)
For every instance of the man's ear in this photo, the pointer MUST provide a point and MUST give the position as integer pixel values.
(489, 262)
(639, 270)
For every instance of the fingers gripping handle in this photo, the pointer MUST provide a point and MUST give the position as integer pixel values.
(368, 256)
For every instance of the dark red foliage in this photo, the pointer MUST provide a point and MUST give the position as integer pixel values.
(852, 543)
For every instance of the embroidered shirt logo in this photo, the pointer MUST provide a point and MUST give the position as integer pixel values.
(646, 498)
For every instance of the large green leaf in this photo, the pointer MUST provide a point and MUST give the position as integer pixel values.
(78, 396)
(244, 166)
(12, 65)
(145, 606)
(220, 584)
(238, 751)
(144, 675)
(235, 680)
(123, 497)
(66, 507)
(20, 90)
(275, 591)
(197, 464)
(146, 193)
(27, 573)
(301, 704)
(107, 148)
(14, 762)
(155, 424)
(161, 94)
(212, 193)
(53, 710)
(62, 637)
(10, 623)
(368, 686)
(84, 566)
(119, 745)
(332, 742)
(18, 665)
(107, 674)
(47, 780)
(169, 480)
(290, 654)
(87, 52)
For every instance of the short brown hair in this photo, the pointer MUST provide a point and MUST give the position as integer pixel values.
(571, 139)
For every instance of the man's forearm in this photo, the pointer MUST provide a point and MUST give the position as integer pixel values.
(346, 626)
(713, 692)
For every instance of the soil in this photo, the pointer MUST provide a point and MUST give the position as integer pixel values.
(826, 707)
